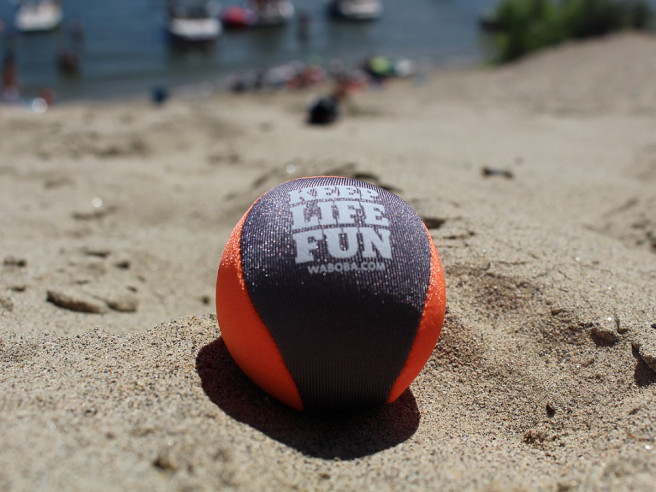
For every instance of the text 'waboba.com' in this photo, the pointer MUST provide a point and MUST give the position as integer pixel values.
(328, 214)
(345, 266)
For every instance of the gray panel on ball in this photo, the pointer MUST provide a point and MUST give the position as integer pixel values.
(338, 270)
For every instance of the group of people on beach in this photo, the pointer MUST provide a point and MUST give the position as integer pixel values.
(373, 71)
(296, 74)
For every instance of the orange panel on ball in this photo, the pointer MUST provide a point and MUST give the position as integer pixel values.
(248, 340)
(429, 328)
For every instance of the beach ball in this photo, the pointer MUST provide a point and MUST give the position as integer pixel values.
(330, 294)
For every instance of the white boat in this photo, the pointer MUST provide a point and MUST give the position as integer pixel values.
(192, 22)
(36, 16)
(272, 12)
(357, 9)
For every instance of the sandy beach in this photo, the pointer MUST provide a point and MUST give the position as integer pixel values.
(537, 181)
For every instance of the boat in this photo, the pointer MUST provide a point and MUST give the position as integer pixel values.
(356, 9)
(236, 17)
(272, 12)
(192, 22)
(38, 16)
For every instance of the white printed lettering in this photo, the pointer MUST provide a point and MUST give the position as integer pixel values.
(372, 240)
(348, 191)
(300, 221)
(327, 216)
(306, 242)
(334, 241)
(326, 192)
(324, 210)
(373, 214)
(368, 194)
(346, 211)
(311, 193)
(301, 196)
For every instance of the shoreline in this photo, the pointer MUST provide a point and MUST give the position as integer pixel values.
(221, 83)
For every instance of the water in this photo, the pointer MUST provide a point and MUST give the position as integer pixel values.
(125, 50)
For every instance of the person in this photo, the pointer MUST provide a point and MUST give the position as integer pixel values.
(10, 88)
(159, 95)
(326, 110)
(378, 68)
(68, 62)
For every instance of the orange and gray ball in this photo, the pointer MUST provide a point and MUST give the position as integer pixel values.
(330, 294)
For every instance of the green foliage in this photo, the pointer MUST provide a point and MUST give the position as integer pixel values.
(519, 27)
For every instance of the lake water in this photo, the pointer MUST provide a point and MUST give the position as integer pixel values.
(125, 50)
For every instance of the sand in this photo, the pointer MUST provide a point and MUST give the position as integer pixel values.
(538, 183)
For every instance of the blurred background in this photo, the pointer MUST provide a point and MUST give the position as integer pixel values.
(126, 47)
(123, 47)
